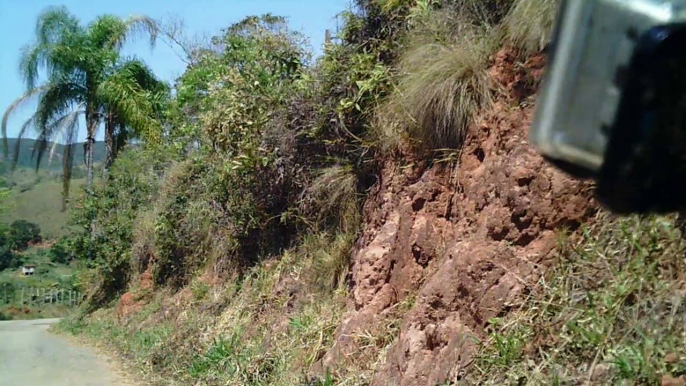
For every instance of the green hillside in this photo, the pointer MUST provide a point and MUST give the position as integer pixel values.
(27, 157)
(36, 196)
(41, 203)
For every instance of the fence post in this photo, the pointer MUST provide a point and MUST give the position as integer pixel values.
(4, 287)
(22, 297)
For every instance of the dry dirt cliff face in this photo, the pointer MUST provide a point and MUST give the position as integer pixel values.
(457, 245)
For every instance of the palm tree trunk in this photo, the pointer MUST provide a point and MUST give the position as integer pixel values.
(92, 127)
(67, 164)
(109, 145)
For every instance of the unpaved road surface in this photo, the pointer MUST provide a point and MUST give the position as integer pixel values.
(30, 356)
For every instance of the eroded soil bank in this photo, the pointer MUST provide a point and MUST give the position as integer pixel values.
(464, 241)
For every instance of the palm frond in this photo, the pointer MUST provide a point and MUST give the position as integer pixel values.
(19, 102)
(143, 25)
(53, 23)
(57, 99)
(55, 28)
(67, 126)
(31, 58)
(17, 145)
(39, 149)
(112, 32)
(133, 94)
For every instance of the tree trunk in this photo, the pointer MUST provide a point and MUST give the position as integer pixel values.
(92, 127)
(67, 164)
(110, 145)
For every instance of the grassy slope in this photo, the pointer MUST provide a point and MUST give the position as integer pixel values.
(42, 204)
(609, 312)
(37, 196)
(225, 334)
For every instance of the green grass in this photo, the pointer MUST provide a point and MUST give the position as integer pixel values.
(611, 312)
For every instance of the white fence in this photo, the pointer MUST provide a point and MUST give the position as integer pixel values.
(38, 296)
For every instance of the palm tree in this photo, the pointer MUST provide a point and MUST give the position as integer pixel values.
(85, 77)
(133, 100)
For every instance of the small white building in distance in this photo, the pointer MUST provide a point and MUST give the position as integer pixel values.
(28, 269)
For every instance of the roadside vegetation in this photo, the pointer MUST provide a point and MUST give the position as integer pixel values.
(609, 312)
(217, 249)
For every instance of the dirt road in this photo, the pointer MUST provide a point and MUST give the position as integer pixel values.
(29, 355)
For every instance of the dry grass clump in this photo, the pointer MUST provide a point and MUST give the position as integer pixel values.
(442, 83)
(530, 23)
(332, 199)
(143, 248)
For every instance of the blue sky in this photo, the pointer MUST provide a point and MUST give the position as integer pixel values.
(312, 17)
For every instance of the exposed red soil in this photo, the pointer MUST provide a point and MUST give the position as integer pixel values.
(468, 240)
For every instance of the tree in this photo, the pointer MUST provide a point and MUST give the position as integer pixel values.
(23, 232)
(133, 101)
(84, 68)
(8, 259)
(60, 252)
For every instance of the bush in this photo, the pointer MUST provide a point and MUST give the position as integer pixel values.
(22, 233)
(104, 221)
(331, 199)
(8, 259)
(60, 252)
(209, 211)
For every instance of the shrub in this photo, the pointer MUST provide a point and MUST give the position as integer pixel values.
(60, 252)
(104, 220)
(331, 199)
(209, 211)
(8, 259)
(23, 232)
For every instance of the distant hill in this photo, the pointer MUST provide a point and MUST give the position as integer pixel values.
(37, 197)
(27, 161)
